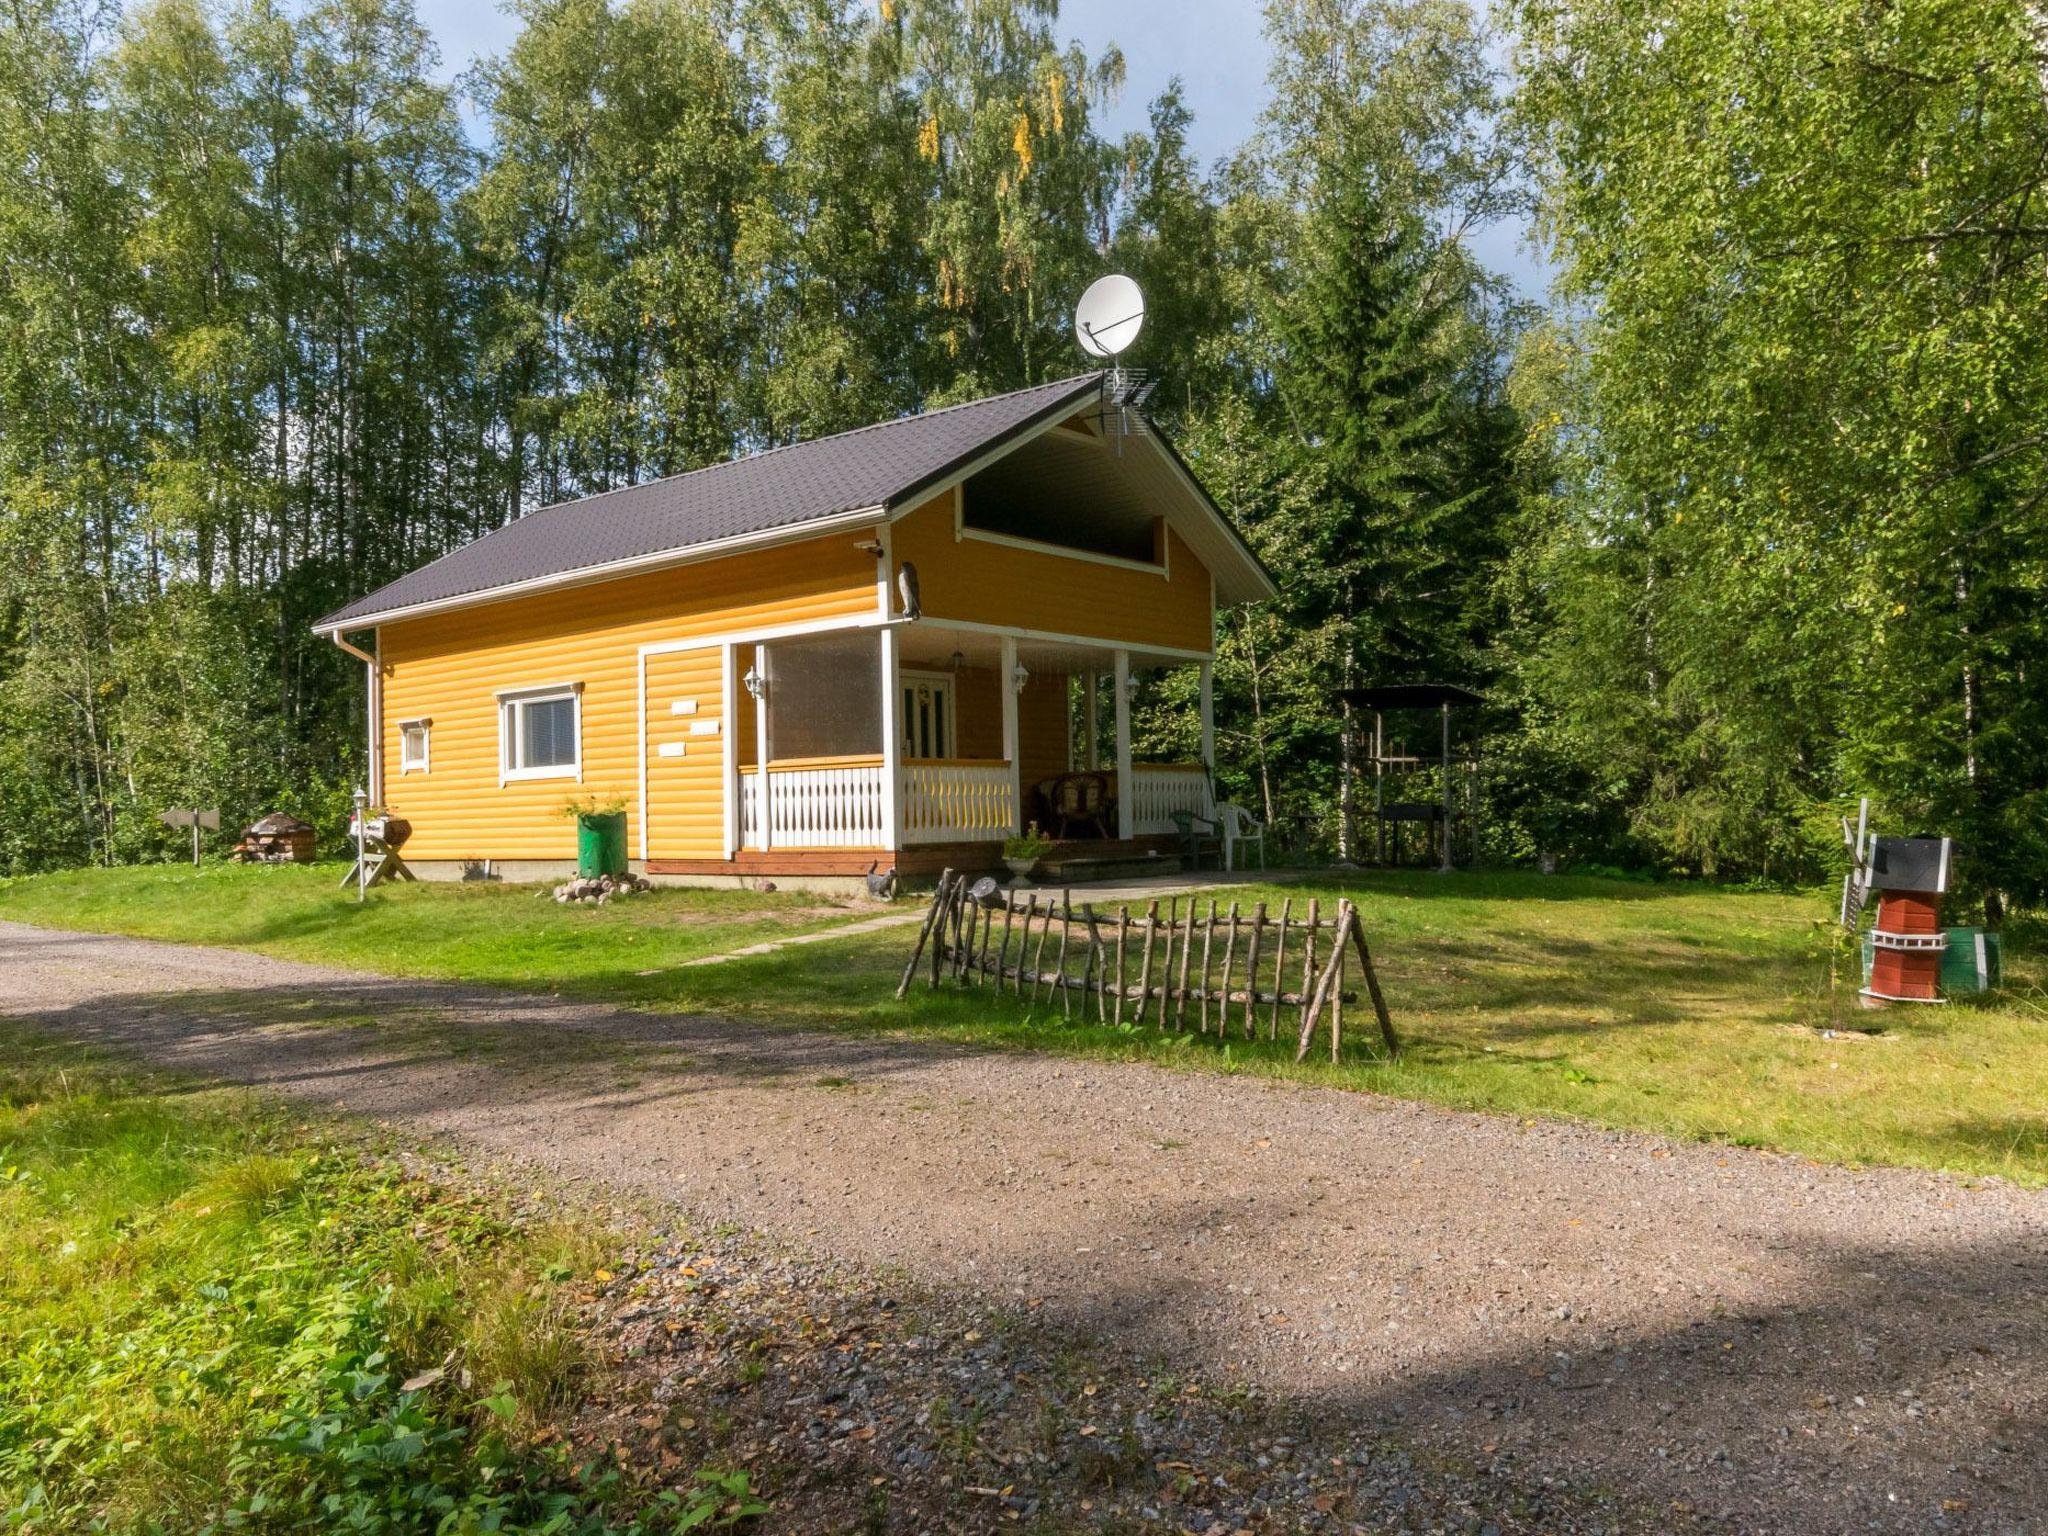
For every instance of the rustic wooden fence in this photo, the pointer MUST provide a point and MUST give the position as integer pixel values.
(1230, 973)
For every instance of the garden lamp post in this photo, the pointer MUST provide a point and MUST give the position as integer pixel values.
(362, 829)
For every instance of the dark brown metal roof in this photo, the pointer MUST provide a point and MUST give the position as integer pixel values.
(886, 465)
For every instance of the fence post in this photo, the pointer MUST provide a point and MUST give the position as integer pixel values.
(923, 934)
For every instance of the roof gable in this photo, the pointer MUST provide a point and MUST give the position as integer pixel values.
(865, 474)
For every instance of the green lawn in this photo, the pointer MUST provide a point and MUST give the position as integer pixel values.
(216, 1316)
(1683, 1009)
(509, 935)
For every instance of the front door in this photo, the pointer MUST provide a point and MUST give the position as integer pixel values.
(685, 811)
(927, 715)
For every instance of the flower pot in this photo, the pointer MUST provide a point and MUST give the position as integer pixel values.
(600, 844)
(1021, 868)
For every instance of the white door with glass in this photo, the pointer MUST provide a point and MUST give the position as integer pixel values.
(927, 715)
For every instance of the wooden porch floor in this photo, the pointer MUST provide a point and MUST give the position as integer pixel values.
(1074, 859)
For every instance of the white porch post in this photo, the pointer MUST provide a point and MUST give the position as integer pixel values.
(1122, 685)
(1209, 717)
(1007, 682)
(1091, 734)
(892, 742)
(764, 812)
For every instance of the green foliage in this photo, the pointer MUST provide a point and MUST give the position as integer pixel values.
(211, 1319)
(1752, 525)
(1792, 546)
(272, 331)
(1033, 844)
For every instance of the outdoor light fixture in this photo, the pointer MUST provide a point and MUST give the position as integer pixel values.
(959, 660)
(1020, 677)
(755, 684)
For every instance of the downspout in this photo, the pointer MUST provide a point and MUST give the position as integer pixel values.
(373, 712)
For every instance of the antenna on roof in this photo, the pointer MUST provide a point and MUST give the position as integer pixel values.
(1106, 321)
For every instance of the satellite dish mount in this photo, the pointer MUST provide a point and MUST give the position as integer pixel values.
(1106, 322)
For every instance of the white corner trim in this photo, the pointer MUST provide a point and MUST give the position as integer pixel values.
(640, 750)
(728, 755)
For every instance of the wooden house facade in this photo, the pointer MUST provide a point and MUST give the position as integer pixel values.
(875, 649)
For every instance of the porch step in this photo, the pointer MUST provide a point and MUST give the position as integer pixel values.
(1079, 869)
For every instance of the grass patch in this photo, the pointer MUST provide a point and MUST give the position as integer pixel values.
(1682, 1009)
(213, 1315)
(482, 931)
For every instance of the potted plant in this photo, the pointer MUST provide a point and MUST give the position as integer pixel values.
(600, 835)
(1023, 853)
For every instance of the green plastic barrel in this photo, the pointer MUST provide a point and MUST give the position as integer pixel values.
(601, 844)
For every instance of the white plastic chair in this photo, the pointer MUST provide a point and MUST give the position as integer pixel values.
(1239, 826)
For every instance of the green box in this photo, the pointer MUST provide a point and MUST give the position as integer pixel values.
(600, 843)
(1973, 962)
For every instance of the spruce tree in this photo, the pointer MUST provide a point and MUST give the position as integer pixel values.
(1368, 563)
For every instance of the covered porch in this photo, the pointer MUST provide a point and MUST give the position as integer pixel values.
(920, 744)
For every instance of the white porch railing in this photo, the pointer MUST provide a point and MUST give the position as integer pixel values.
(957, 802)
(839, 805)
(826, 806)
(1160, 789)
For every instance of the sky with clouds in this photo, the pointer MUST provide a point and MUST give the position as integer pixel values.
(1214, 46)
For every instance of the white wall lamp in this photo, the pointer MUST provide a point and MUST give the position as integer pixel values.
(1020, 677)
(755, 684)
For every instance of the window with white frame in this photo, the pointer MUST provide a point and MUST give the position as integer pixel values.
(540, 733)
(414, 745)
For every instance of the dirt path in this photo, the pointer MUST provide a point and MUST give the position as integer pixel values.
(1763, 1341)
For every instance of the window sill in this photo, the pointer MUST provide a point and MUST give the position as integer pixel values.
(528, 775)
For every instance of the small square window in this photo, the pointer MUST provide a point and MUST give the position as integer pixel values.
(414, 746)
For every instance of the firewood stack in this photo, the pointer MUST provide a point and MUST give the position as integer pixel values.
(276, 839)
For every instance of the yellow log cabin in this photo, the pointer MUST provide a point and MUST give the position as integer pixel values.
(891, 648)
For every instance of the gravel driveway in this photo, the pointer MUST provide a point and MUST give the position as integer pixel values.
(1741, 1336)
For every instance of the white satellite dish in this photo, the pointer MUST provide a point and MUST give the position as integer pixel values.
(1109, 316)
